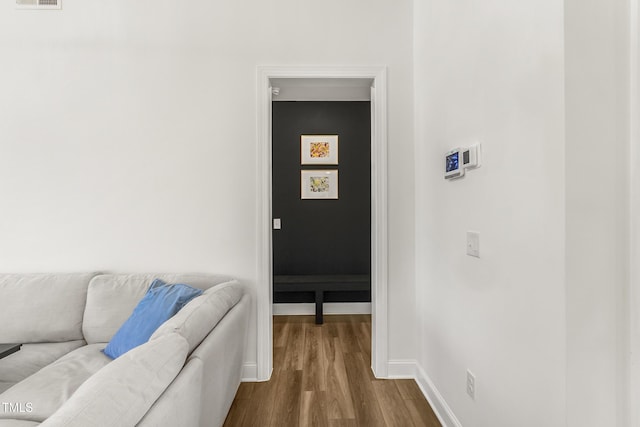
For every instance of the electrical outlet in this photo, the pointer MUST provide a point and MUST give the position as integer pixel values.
(471, 385)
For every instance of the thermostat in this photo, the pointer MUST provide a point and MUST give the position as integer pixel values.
(458, 160)
(453, 164)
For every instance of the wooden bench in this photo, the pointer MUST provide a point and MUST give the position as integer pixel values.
(321, 283)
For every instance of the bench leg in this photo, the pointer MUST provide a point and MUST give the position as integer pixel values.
(319, 301)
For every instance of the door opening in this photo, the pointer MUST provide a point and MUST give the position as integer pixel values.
(323, 84)
(321, 203)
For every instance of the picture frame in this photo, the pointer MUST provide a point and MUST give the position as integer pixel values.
(319, 184)
(319, 149)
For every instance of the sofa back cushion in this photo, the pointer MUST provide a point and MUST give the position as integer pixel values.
(202, 314)
(161, 302)
(111, 299)
(42, 307)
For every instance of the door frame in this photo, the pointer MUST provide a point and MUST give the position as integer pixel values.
(379, 234)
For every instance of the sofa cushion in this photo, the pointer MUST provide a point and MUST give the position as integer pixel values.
(121, 393)
(30, 359)
(42, 307)
(51, 386)
(6, 385)
(202, 314)
(161, 302)
(18, 423)
(112, 297)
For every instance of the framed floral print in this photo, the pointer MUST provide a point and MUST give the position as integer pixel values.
(319, 149)
(319, 184)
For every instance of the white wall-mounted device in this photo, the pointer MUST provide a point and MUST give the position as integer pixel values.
(460, 159)
(39, 4)
(471, 157)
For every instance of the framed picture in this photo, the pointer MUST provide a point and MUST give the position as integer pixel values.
(319, 184)
(319, 149)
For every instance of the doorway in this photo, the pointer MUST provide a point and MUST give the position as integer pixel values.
(321, 205)
(335, 82)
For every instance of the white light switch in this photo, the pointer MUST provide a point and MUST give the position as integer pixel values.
(276, 224)
(473, 244)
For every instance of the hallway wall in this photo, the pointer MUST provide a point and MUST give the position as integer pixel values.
(542, 318)
(597, 216)
(492, 72)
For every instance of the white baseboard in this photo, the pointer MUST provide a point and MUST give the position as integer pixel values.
(401, 369)
(303, 309)
(249, 373)
(438, 404)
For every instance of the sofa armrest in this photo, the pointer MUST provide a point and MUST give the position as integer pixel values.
(222, 356)
(179, 405)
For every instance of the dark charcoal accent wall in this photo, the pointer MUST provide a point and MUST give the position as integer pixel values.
(322, 236)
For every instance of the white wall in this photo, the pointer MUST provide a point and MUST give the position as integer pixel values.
(597, 174)
(634, 297)
(542, 318)
(492, 72)
(128, 131)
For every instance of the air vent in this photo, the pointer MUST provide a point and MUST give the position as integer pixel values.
(38, 4)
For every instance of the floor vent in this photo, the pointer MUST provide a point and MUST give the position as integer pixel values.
(38, 4)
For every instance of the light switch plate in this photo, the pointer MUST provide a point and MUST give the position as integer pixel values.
(277, 224)
(473, 244)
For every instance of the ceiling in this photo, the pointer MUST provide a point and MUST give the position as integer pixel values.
(322, 89)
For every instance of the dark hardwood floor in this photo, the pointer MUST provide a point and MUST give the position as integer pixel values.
(322, 377)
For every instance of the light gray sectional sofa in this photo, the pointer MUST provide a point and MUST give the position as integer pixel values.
(187, 374)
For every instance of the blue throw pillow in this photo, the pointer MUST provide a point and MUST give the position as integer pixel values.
(158, 305)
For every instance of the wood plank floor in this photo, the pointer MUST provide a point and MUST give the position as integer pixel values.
(322, 377)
